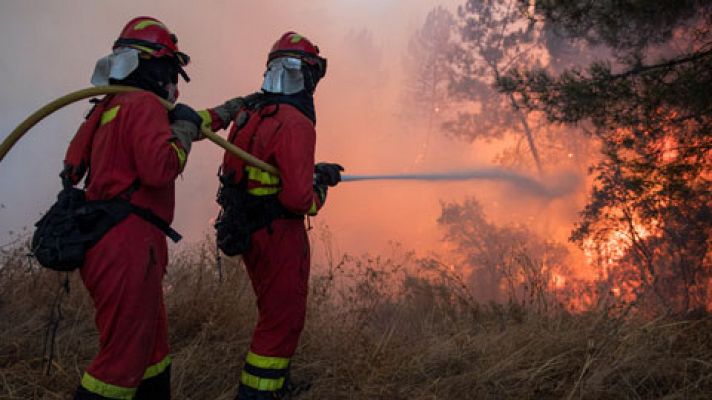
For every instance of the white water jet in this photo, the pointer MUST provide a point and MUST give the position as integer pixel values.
(563, 184)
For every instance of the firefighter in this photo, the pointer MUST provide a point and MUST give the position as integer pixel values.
(134, 151)
(262, 215)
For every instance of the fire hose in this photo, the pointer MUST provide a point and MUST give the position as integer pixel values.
(522, 181)
(70, 98)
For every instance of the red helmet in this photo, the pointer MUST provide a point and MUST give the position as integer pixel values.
(292, 44)
(151, 37)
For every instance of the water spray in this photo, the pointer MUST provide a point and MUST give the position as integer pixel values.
(565, 184)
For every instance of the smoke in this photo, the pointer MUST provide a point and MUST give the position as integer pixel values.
(360, 113)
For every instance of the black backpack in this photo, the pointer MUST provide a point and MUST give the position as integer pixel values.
(73, 225)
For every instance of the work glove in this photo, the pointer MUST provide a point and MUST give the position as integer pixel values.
(320, 189)
(183, 112)
(229, 109)
(185, 125)
(328, 173)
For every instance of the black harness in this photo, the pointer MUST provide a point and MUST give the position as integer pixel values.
(241, 213)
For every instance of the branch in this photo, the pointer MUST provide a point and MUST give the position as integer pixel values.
(669, 64)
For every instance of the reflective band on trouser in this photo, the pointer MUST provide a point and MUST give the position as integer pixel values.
(106, 389)
(267, 184)
(182, 157)
(264, 373)
(157, 368)
(109, 115)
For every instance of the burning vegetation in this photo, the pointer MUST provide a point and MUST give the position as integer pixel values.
(378, 328)
(516, 72)
(619, 89)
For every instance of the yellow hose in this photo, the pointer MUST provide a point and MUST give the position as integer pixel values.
(55, 105)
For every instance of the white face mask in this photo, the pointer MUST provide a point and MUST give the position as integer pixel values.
(284, 76)
(117, 65)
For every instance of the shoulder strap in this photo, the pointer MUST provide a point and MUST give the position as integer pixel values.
(78, 156)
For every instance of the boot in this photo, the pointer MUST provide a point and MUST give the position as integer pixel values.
(247, 393)
(84, 394)
(292, 389)
(289, 391)
(155, 388)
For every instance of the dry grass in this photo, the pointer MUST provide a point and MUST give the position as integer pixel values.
(376, 329)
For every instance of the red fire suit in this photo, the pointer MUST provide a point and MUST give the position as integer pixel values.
(129, 141)
(278, 258)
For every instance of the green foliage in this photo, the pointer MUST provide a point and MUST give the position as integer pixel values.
(493, 38)
(624, 25)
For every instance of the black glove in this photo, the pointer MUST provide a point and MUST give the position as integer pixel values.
(183, 112)
(320, 189)
(327, 173)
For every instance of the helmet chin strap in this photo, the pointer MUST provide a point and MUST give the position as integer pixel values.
(173, 93)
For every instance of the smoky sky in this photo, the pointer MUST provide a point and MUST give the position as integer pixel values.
(49, 48)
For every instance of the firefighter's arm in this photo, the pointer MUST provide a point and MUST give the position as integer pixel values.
(220, 117)
(295, 160)
(159, 157)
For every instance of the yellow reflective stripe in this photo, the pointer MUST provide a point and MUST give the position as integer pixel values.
(258, 383)
(146, 23)
(107, 390)
(263, 191)
(313, 210)
(157, 368)
(263, 177)
(207, 119)
(265, 362)
(142, 48)
(109, 115)
(182, 157)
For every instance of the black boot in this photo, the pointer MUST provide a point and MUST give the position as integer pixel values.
(83, 394)
(292, 389)
(289, 391)
(247, 393)
(155, 388)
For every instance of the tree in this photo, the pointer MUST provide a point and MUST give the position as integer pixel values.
(650, 105)
(428, 70)
(494, 38)
(508, 263)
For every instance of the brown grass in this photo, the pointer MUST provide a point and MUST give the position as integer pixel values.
(377, 329)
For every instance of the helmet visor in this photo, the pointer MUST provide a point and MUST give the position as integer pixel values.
(181, 59)
(312, 60)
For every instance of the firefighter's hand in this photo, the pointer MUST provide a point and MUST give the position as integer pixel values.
(184, 132)
(328, 173)
(321, 190)
(183, 112)
(229, 109)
